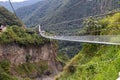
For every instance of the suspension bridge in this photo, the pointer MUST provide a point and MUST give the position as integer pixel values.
(88, 38)
(99, 39)
(91, 36)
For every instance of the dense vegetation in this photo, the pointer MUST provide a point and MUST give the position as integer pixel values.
(8, 18)
(69, 48)
(15, 34)
(24, 70)
(96, 61)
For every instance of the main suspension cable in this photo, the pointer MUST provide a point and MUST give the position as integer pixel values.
(12, 8)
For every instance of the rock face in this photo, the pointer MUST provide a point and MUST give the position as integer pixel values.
(17, 54)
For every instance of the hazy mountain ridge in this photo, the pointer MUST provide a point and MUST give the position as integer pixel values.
(18, 4)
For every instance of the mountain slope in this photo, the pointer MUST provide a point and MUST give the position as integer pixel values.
(60, 10)
(75, 9)
(33, 14)
(96, 62)
(8, 18)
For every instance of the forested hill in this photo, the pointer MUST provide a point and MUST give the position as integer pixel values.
(6, 17)
(54, 11)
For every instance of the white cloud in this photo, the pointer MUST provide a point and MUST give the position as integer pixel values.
(13, 0)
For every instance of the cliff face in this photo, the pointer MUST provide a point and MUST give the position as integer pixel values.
(18, 55)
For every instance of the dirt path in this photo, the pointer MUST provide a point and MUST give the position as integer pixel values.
(46, 78)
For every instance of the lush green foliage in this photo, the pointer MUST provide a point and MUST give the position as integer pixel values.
(21, 36)
(112, 24)
(98, 26)
(24, 70)
(96, 62)
(5, 76)
(8, 18)
(102, 65)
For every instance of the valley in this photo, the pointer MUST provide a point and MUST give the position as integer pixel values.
(27, 55)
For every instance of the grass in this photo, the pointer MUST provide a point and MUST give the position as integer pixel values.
(104, 65)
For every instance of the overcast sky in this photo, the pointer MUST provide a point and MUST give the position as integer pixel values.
(14, 0)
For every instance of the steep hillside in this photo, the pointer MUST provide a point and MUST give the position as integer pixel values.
(8, 18)
(25, 55)
(96, 62)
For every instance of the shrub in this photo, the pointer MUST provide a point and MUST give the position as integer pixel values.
(15, 34)
(5, 76)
